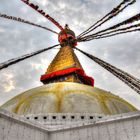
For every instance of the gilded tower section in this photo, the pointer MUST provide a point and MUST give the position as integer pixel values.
(65, 59)
(66, 67)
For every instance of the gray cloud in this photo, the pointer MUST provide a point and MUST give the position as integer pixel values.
(17, 39)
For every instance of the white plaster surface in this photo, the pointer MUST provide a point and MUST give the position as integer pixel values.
(117, 127)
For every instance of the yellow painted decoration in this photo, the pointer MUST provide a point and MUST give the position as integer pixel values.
(67, 97)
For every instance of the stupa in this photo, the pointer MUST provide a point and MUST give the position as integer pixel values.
(67, 89)
(67, 106)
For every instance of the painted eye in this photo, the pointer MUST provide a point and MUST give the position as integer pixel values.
(70, 38)
(64, 40)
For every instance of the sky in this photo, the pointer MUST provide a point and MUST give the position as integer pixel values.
(16, 39)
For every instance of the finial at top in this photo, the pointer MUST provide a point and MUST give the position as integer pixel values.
(67, 26)
(67, 37)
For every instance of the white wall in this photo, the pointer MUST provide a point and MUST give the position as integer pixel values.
(119, 130)
(11, 129)
(121, 127)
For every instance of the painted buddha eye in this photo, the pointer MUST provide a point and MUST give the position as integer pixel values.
(64, 40)
(70, 38)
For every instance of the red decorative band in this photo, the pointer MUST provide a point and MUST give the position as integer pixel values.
(66, 72)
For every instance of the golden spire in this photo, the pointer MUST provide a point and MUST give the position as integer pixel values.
(65, 59)
(66, 67)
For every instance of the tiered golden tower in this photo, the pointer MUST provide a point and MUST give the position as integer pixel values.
(66, 67)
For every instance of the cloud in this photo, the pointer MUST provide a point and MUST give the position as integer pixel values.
(2, 30)
(17, 39)
(7, 82)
